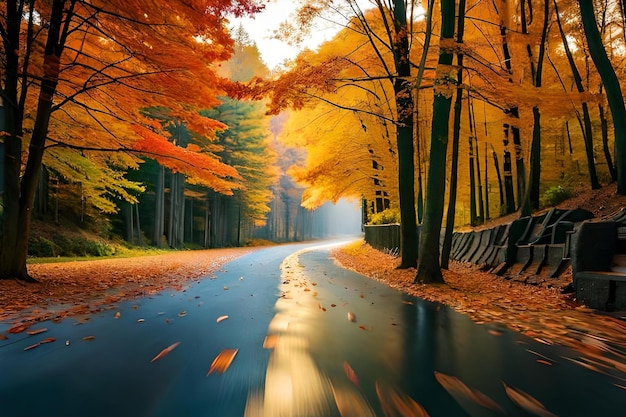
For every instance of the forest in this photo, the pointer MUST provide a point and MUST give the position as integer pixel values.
(158, 122)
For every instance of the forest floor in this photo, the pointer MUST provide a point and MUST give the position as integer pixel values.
(540, 311)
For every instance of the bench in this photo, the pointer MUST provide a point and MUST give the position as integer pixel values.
(599, 265)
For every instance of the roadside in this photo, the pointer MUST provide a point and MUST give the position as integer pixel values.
(542, 312)
(71, 288)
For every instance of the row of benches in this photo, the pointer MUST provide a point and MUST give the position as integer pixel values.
(536, 248)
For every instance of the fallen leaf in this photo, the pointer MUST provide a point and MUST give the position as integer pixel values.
(37, 331)
(462, 393)
(351, 403)
(526, 402)
(222, 361)
(165, 351)
(350, 373)
(221, 318)
(31, 346)
(19, 328)
(270, 341)
(397, 404)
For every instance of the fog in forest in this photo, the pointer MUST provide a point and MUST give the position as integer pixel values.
(342, 218)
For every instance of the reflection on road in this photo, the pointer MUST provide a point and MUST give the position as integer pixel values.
(295, 385)
(343, 346)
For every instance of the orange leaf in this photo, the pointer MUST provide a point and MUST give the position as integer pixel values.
(526, 401)
(397, 404)
(461, 392)
(19, 328)
(222, 361)
(270, 341)
(37, 331)
(165, 351)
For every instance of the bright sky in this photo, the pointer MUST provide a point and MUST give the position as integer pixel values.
(261, 27)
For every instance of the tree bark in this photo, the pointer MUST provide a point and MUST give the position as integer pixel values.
(456, 134)
(428, 266)
(20, 195)
(612, 87)
(404, 136)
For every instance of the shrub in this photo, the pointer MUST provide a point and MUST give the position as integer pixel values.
(43, 248)
(388, 216)
(555, 195)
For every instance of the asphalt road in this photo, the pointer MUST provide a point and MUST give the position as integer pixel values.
(308, 338)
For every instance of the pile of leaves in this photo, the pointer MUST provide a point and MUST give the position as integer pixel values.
(73, 288)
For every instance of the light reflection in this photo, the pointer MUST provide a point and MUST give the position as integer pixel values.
(294, 385)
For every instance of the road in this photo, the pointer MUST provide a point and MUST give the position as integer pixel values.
(309, 339)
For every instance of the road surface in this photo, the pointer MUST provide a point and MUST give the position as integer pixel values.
(308, 339)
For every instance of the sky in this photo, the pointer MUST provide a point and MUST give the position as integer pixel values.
(261, 27)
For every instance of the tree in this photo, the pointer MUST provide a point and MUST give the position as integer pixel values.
(69, 59)
(612, 86)
(428, 266)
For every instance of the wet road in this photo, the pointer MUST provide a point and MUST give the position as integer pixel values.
(311, 339)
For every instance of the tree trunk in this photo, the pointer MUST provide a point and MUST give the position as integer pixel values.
(447, 239)
(17, 214)
(531, 199)
(586, 128)
(159, 208)
(605, 143)
(428, 267)
(404, 136)
(612, 87)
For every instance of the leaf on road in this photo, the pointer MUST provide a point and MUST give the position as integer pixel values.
(270, 341)
(19, 328)
(32, 346)
(397, 404)
(526, 401)
(46, 340)
(222, 361)
(165, 351)
(461, 393)
(350, 373)
(221, 318)
(37, 331)
(351, 403)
